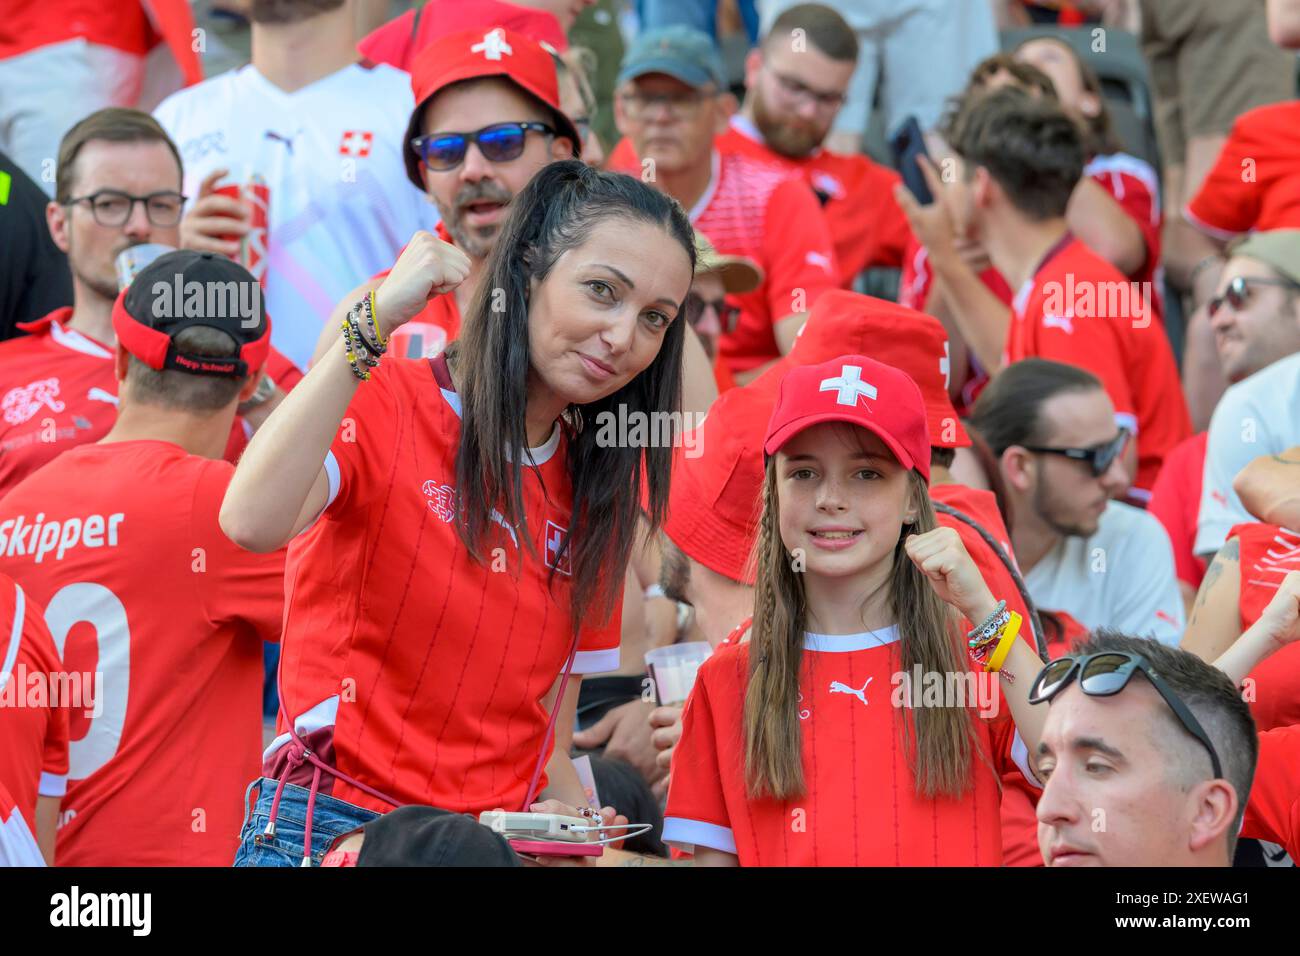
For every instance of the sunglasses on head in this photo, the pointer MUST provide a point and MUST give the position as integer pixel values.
(1098, 458)
(728, 315)
(1105, 675)
(499, 143)
(1237, 294)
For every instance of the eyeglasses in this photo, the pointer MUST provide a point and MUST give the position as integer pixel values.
(728, 315)
(1237, 294)
(112, 207)
(1105, 675)
(499, 143)
(796, 90)
(682, 103)
(1098, 458)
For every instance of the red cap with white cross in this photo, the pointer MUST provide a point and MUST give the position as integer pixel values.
(859, 391)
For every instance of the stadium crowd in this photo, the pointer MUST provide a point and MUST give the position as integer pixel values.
(391, 418)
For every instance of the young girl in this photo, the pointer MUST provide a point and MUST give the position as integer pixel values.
(824, 739)
(460, 531)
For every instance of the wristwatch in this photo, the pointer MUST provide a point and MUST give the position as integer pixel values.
(262, 395)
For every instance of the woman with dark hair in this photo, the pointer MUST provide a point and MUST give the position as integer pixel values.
(461, 526)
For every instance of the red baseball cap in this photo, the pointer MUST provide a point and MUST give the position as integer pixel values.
(912, 341)
(715, 497)
(474, 54)
(860, 391)
(399, 41)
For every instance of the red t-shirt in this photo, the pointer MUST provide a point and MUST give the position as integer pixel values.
(1079, 309)
(1176, 501)
(1273, 810)
(428, 333)
(34, 708)
(860, 807)
(1268, 553)
(857, 195)
(17, 845)
(1255, 182)
(59, 390)
(429, 689)
(767, 212)
(1133, 184)
(140, 585)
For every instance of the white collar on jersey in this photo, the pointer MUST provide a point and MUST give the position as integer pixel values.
(745, 127)
(850, 642)
(538, 456)
(72, 339)
(703, 202)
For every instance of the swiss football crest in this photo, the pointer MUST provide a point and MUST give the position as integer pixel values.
(442, 499)
(23, 402)
(555, 536)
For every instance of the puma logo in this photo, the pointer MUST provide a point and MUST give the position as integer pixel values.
(838, 688)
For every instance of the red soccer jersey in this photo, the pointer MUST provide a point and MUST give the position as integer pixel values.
(860, 807)
(1255, 182)
(120, 543)
(867, 226)
(17, 845)
(1176, 502)
(1133, 184)
(34, 703)
(767, 212)
(1268, 554)
(1273, 810)
(1079, 309)
(430, 688)
(60, 391)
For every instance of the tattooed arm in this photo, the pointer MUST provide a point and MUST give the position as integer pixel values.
(1216, 616)
(1269, 487)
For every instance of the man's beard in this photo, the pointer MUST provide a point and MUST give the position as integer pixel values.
(105, 287)
(781, 136)
(1049, 511)
(477, 243)
(289, 11)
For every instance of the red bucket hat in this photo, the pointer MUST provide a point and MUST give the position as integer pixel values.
(912, 341)
(475, 54)
(860, 391)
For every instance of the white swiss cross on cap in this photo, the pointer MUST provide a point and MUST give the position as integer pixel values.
(493, 46)
(849, 384)
(554, 538)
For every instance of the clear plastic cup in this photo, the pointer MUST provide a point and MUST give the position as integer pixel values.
(672, 670)
(131, 260)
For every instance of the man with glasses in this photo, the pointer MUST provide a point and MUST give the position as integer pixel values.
(118, 185)
(487, 117)
(323, 134)
(671, 103)
(1255, 315)
(1146, 757)
(1059, 461)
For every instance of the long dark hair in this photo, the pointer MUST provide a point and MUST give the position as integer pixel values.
(554, 213)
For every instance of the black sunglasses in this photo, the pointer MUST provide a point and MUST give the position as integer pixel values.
(728, 315)
(1237, 294)
(1098, 458)
(1105, 675)
(499, 143)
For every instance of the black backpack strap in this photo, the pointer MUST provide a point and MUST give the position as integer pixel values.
(1035, 624)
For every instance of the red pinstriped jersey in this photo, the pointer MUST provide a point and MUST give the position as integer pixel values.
(412, 667)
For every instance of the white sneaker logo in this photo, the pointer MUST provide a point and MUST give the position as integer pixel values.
(838, 688)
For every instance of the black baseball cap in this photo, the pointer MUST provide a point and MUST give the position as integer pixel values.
(429, 836)
(186, 288)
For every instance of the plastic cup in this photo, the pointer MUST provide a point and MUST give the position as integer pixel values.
(673, 670)
(132, 260)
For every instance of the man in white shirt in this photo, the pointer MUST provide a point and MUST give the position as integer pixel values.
(1051, 428)
(1260, 415)
(325, 134)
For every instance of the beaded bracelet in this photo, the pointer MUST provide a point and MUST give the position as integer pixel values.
(996, 620)
(351, 350)
(372, 319)
(1004, 648)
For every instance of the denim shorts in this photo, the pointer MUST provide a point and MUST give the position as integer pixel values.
(331, 819)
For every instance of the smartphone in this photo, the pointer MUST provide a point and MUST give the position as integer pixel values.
(526, 826)
(909, 143)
